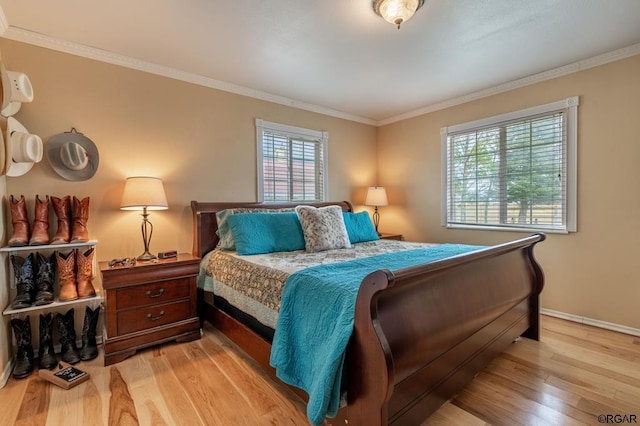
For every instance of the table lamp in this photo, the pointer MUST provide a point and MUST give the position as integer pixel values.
(144, 193)
(376, 197)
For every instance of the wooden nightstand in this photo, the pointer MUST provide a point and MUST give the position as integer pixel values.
(148, 304)
(384, 236)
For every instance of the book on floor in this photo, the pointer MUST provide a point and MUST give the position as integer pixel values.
(65, 375)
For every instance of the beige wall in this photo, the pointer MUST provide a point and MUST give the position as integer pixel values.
(200, 141)
(592, 273)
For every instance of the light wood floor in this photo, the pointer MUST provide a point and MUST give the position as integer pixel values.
(571, 376)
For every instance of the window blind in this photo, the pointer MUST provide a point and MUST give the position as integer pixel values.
(293, 167)
(510, 174)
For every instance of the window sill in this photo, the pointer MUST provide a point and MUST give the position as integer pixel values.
(508, 229)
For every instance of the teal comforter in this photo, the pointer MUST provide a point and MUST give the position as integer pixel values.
(316, 322)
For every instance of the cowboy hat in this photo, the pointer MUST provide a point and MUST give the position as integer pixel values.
(23, 149)
(16, 88)
(73, 155)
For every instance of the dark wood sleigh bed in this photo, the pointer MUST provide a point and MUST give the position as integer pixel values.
(420, 333)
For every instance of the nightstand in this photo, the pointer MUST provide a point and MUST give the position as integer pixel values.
(384, 236)
(148, 304)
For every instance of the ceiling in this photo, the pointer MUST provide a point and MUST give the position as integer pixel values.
(336, 56)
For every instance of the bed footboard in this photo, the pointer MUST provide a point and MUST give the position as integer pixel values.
(422, 333)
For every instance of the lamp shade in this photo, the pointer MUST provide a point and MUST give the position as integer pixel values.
(376, 196)
(143, 191)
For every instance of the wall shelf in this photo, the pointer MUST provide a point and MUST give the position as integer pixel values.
(48, 247)
(92, 301)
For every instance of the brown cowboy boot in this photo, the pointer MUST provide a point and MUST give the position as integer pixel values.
(40, 230)
(62, 208)
(67, 275)
(20, 223)
(84, 264)
(80, 217)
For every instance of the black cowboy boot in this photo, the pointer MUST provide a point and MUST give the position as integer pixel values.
(46, 353)
(24, 358)
(67, 334)
(89, 345)
(44, 279)
(23, 273)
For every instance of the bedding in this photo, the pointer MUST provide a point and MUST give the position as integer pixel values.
(312, 308)
(254, 283)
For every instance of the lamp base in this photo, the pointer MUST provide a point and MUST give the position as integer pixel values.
(146, 257)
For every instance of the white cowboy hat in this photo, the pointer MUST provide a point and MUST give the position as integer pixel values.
(73, 155)
(23, 149)
(16, 88)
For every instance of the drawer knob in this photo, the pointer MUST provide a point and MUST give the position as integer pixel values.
(155, 317)
(158, 294)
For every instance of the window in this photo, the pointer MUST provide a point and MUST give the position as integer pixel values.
(515, 171)
(292, 163)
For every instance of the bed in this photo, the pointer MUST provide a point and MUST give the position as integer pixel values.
(405, 359)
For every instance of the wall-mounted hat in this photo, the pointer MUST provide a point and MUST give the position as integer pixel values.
(73, 155)
(16, 88)
(23, 149)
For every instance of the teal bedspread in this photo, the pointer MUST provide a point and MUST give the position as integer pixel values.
(316, 322)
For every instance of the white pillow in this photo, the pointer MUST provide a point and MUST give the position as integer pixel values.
(323, 228)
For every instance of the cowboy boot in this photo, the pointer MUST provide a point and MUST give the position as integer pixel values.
(80, 217)
(44, 279)
(25, 285)
(24, 358)
(40, 229)
(46, 353)
(89, 345)
(67, 333)
(67, 275)
(20, 223)
(84, 270)
(62, 208)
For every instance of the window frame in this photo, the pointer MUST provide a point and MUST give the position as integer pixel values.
(570, 107)
(320, 136)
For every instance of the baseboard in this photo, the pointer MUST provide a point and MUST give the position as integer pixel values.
(593, 322)
(6, 373)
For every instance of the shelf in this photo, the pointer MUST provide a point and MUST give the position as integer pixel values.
(49, 247)
(95, 299)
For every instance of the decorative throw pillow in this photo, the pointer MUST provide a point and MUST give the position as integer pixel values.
(360, 227)
(323, 228)
(224, 233)
(259, 233)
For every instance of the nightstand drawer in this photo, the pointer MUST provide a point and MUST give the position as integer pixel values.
(153, 316)
(152, 294)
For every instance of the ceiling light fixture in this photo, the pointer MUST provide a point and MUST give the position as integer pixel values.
(396, 12)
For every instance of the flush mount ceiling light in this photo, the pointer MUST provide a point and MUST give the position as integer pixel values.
(396, 12)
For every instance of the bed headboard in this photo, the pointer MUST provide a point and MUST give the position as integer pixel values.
(205, 225)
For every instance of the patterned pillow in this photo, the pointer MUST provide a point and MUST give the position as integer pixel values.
(323, 228)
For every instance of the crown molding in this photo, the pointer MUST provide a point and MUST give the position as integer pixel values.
(605, 58)
(41, 40)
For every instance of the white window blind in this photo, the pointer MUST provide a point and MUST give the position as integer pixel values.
(514, 171)
(291, 163)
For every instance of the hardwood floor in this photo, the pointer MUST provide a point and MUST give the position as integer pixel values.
(571, 376)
